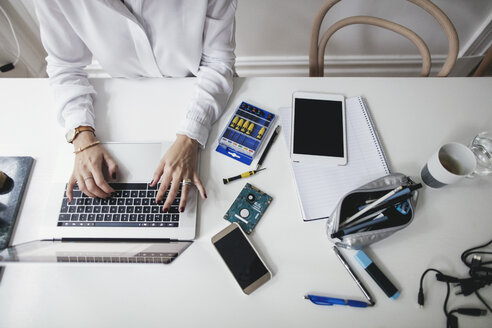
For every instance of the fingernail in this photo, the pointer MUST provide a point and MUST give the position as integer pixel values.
(205, 195)
(181, 209)
(151, 182)
(166, 209)
(114, 175)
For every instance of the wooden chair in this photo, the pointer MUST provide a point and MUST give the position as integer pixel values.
(317, 49)
(485, 64)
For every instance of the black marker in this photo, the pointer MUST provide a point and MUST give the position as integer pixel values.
(389, 289)
(268, 146)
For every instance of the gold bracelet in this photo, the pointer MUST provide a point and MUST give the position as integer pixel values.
(86, 147)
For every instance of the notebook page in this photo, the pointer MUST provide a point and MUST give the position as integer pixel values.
(321, 186)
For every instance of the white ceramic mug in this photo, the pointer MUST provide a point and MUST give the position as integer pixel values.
(449, 164)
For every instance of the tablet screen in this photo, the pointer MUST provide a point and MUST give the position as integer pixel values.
(318, 127)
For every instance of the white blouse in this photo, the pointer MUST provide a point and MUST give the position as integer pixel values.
(136, 39)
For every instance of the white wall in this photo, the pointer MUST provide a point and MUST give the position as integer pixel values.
(273, 35)
(277, 31)
(282, 27)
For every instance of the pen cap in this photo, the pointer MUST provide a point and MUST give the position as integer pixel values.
(350, 203)
(363, 259)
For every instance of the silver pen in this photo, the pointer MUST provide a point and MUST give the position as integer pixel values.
(354, 276)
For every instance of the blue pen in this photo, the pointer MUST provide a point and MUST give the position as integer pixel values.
(322, 300)
(357, 227)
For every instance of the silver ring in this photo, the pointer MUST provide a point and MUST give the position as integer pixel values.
(89, 177)
(186, 182)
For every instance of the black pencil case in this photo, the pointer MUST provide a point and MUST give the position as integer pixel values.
(397, 216)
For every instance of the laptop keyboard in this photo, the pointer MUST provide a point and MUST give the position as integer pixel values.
(131, 205)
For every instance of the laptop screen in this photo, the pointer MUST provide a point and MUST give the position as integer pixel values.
(56, 251)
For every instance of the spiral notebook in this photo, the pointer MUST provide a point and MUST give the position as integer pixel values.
(320, 186)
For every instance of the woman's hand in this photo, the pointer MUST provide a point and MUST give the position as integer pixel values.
(88, 168)
(178, 164)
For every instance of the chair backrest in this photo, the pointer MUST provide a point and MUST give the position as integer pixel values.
(317, 46)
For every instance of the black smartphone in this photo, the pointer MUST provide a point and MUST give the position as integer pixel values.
(241, 258)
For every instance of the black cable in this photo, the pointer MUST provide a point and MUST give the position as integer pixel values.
(483, 301)
(451, 320)
(470, 251)
(480, 276)
(479, 273)
(420, 299)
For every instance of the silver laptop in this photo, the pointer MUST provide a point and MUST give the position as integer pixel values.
(94, 250)
(129, 227)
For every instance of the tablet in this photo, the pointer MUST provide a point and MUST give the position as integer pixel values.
(318, 128)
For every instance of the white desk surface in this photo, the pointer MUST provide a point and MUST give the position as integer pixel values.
(413, 116)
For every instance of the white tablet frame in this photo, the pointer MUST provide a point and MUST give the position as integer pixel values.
(331, 160)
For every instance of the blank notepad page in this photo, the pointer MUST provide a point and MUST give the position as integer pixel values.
(321, 186)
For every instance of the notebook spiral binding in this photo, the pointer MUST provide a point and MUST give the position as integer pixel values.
(374, 134)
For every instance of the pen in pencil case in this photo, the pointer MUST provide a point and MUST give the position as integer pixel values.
(405, 191)
(377, 209)
(363, 219)
(386, 205)
(356, 228)
(373, 204)
(402, 207)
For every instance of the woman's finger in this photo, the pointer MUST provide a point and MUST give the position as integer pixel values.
(166, 180)
(101, 183)
(91, 185)
(70, 185)
(185, 189)
(157, 174)
(112, 166)
(199, 185)
(173, 191)
(83, 186)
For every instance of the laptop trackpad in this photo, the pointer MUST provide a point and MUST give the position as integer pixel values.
(136, 161)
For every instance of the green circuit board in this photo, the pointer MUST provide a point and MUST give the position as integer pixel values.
(248, 208)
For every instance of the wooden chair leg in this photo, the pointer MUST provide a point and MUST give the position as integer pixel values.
(485, 63)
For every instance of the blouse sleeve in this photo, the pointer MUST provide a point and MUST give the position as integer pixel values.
(215, 74)
(66, 60)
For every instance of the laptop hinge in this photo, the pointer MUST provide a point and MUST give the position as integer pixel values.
(118, 240)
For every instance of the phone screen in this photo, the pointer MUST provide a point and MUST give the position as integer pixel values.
(318, 127)
(241, 258)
